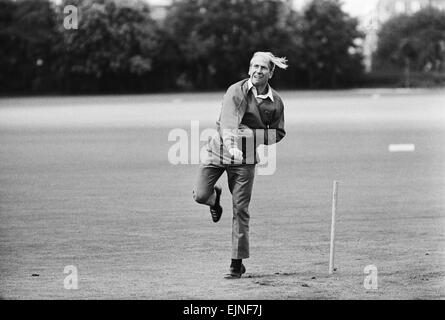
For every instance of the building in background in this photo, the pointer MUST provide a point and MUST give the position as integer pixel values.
(389, 8)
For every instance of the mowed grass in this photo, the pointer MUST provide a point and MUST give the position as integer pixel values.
(86, 182)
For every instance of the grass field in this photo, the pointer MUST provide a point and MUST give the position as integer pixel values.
(85, 181)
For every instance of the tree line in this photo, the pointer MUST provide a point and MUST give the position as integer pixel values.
(199, 45)
(413, 46)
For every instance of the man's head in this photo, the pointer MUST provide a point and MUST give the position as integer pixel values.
(262, 66)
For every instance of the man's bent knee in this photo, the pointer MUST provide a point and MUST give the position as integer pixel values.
(200, 197)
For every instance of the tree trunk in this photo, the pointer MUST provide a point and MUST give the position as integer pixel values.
(407, 73)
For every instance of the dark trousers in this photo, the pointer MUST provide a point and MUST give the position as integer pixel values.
(240, 180)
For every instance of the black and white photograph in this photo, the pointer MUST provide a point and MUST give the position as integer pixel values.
(236, 151)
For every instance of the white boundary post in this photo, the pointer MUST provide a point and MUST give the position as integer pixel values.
(334, 210)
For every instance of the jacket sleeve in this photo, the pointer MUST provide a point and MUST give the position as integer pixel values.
(275, 132)
(232, 112)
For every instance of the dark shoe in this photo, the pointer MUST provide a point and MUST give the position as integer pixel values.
(236, 274)
(216, 210)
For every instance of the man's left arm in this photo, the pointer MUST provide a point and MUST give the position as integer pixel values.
(275, 132)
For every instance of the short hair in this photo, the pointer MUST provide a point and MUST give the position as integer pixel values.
(273, 61)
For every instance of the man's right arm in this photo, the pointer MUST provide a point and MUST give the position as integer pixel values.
(232, 111)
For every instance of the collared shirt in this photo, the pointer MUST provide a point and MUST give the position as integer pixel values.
(255, 91)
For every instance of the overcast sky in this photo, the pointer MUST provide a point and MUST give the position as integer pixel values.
(357, 7)
(353, 7)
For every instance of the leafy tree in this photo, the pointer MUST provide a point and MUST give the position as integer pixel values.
(413, 43)
(202, 44)
(28, 34)
(332, 56)
(113, 47)
(216, 38)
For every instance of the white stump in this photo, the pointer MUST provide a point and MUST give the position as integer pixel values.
(334, 209)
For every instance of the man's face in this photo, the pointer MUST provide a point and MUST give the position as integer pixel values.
(259, 71)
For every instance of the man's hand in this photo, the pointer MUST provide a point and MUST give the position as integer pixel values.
(244, 131)
(236, 153)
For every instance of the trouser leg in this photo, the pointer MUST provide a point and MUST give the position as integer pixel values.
(240, 179)
(208, 174)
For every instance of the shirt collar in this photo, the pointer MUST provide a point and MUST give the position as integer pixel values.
(255, 92)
